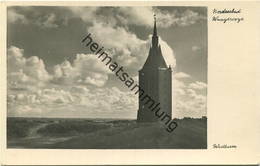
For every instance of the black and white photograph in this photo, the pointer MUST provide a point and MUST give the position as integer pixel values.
(107, 77)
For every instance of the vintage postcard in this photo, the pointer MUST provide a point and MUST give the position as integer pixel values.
(110, 87)
(124, 80)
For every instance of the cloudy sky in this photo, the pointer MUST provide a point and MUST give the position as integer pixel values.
(51, 74)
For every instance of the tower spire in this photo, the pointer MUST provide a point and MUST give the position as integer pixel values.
(155, 37)
(154, 28)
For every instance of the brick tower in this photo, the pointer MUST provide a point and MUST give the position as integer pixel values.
(155, 78)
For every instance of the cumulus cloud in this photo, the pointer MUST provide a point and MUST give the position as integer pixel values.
(186, 18)
(80, 84)
(114, 15)
(25, 110)
(79, 90)
(85, 69)
(49, 96)
(77, 84)
(189, 102)
(97, 100)
(87, 14)
(191, 108)
(30, 15)
(25, 72)
(177, 84)
(198, 85)
(168, 53)
(189, 97)
(181, 75)
(179, 91)
(110, 100)
(111, 15)
(126, 48)
(137, 16)
(45, 96)
(13, 16)
(48, 21)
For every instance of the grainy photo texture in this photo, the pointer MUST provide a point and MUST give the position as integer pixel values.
(107, 77)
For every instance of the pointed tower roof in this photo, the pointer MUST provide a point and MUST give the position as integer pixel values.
(154, 27)
(155, 58)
